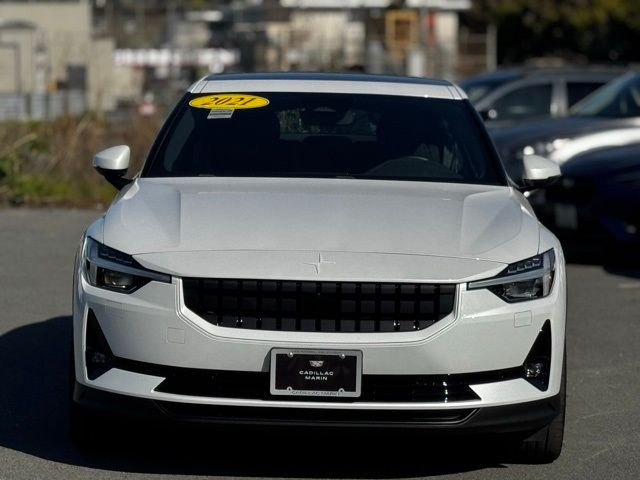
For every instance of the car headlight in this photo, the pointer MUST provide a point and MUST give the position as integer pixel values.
(110, 269)
(521, 281)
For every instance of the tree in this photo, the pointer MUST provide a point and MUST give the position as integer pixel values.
(582, 30)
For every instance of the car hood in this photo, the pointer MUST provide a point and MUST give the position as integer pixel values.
(169, 223)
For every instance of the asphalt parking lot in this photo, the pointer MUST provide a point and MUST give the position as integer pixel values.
(36, 258)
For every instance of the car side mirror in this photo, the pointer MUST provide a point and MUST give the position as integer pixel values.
(113, 164)
(539, 172)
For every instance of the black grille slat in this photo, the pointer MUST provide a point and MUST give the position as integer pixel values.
(311, 306)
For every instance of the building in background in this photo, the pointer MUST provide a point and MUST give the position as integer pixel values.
(163, 46)
(70, 56)
(405, 37)
(50, 61)
(416, 37)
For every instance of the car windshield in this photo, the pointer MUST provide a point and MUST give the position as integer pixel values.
(620, 98)
(323, 135)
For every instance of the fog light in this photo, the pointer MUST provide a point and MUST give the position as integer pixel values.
(98, 355)
(98, 358)
(537, 366)
(534, 369)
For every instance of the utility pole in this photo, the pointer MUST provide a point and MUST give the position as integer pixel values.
(492, 47)
(141, 8)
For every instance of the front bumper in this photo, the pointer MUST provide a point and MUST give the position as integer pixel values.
(519, 418)
(483, 334)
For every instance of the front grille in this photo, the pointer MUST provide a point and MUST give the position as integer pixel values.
(318, 306)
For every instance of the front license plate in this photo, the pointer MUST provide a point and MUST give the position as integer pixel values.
(325, 373)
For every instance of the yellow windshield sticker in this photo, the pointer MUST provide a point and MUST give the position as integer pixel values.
(234, 101)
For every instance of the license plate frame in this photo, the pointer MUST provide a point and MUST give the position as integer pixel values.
(333, 373)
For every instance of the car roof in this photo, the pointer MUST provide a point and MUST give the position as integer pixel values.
(525, 72)
(493, 76)
(350, 83)
(548, 77)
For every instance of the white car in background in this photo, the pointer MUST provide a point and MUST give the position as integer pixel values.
(319, 249)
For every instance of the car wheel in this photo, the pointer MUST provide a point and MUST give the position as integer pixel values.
(546, 445)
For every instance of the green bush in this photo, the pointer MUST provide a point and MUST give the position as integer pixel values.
(51, 190)
(50, 162)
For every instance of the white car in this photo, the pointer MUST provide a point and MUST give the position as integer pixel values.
(319, 249)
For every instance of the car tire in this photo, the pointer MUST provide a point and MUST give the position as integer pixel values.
(545, 445)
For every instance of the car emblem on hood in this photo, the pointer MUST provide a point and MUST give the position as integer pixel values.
(316, 363)
(321, 261)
